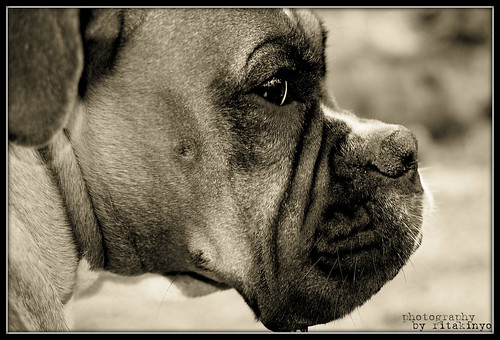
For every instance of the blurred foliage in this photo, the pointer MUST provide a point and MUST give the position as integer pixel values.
(428, 69)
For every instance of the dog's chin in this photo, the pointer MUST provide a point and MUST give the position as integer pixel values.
(330, 291)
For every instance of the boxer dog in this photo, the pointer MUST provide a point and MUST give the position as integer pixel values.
(202, 143)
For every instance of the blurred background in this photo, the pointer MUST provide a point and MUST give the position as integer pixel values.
(427, 69)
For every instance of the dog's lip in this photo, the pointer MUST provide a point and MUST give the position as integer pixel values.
(354, 244)
(335, 252)
(209, 280)
(343, 260)
(362, 233)
(201, 277)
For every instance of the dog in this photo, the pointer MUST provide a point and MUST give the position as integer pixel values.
(200, 142)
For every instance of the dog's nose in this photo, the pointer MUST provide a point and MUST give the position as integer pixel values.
(394, 153)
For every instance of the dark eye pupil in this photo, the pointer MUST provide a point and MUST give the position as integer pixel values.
(274, 91)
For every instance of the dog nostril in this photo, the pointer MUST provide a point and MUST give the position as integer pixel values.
(396, 154)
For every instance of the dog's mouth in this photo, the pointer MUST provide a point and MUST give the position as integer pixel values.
(371, 241)
(344, 255)
(353, 248)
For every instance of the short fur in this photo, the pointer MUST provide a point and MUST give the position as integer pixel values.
(141, 141)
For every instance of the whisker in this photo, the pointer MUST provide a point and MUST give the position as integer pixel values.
(325, 285)
(165, 294)
(374, 265)
(412, 265)
(424, 168)
(317, 241)
(353, 322)
(283, 302)
(354, 274)
(340, 267)
(359, 313)
(312, 266)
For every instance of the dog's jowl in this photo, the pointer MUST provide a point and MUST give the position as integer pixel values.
(200, 142)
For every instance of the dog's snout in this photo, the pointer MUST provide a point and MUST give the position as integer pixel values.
(369, 146)
(394, 153)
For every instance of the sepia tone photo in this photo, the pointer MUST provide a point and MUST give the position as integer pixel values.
(249, 170)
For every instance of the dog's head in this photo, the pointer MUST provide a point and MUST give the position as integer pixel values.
(209, 145)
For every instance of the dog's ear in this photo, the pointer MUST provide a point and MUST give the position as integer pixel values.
(54, 56)
(45, 64)
(104, 33)
(101, 32)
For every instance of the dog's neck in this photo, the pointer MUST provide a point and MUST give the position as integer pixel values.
(61, 161)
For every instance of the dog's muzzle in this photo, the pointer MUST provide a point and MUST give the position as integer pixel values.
(361, 224)
(371, 177)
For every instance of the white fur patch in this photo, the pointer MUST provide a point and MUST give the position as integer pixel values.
(85, 278)
(359, 127)
(429, 206)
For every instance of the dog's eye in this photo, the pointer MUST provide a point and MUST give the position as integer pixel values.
(274, 90)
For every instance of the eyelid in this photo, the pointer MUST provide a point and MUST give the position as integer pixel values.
(268, 72)
(271, 58)
(271, 45)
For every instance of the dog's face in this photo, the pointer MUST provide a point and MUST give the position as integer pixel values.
(210, 147)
